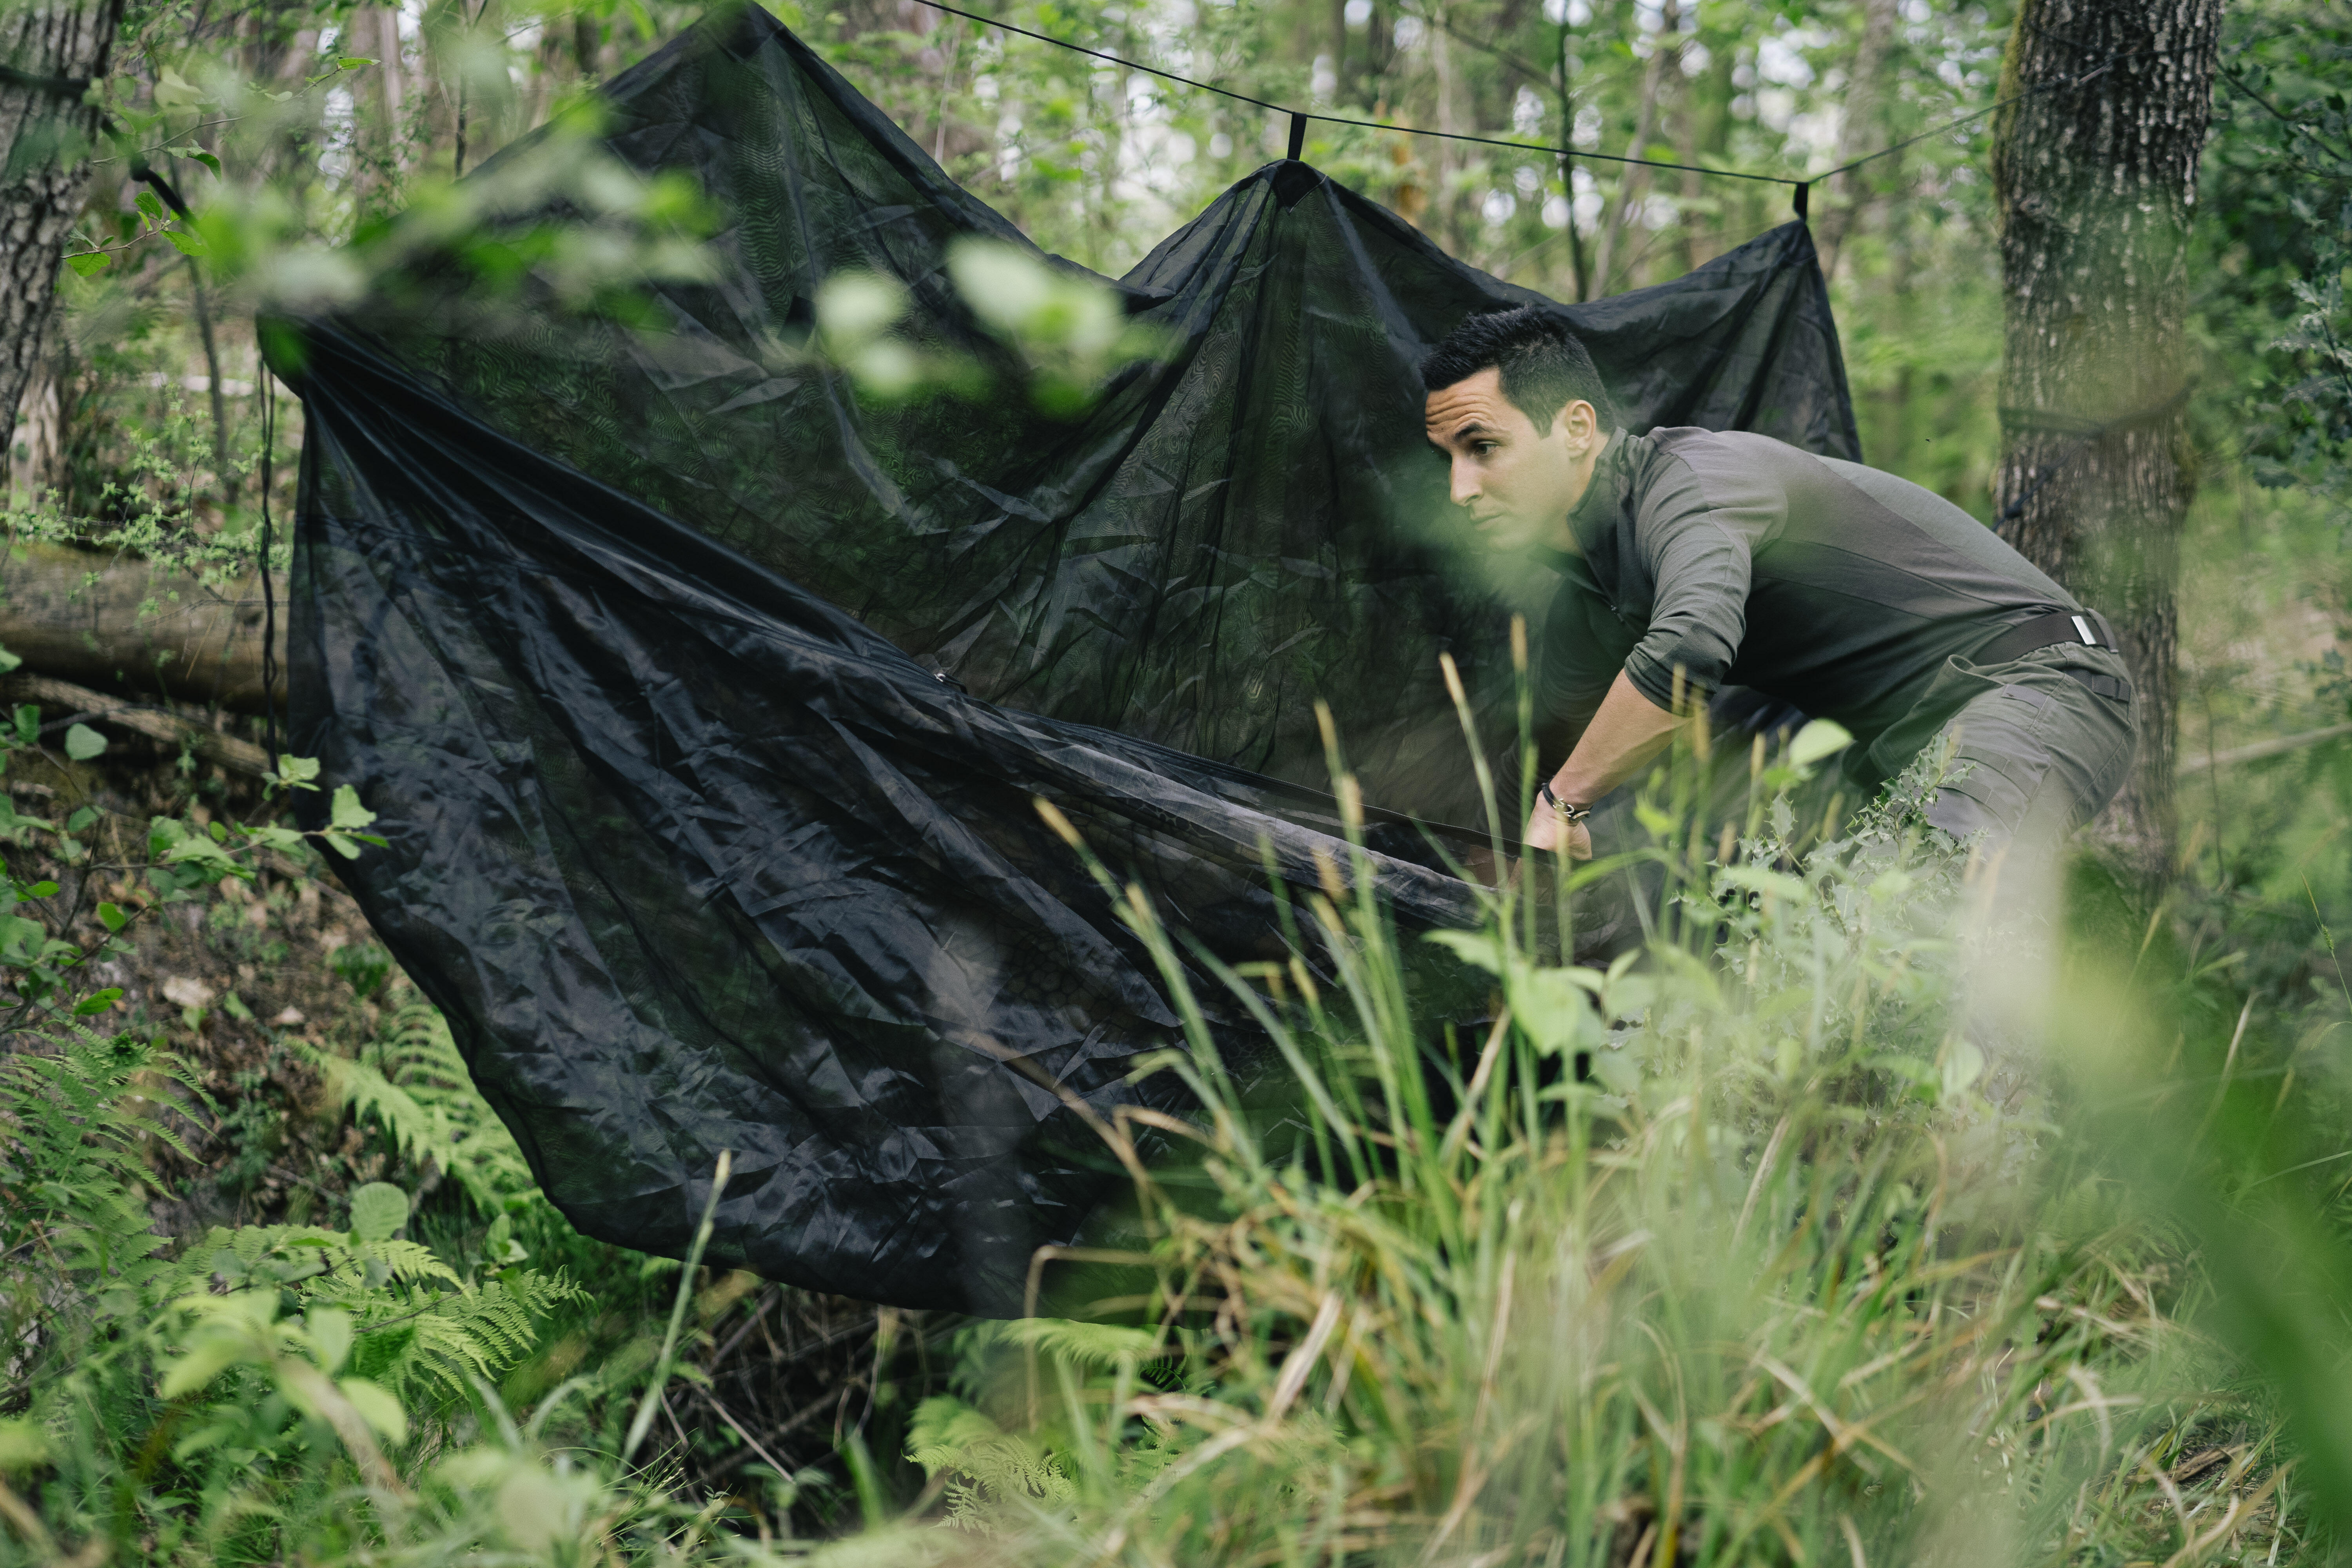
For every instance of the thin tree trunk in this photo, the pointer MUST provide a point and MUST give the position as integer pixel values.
(2095, 179)
(1709, 97)
(1861, 129)
(44, 134)
(222, 479)
(376, 34)
(1441, 51)
(1567, 163)
(1692, 113)
(1645, 123)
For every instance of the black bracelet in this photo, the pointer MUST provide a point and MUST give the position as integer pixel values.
(1566, 813)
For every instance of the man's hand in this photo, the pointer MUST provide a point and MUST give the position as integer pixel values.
(1627, 732)
(1543, 832)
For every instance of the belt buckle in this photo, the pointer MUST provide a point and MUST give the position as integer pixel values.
(2083, 630)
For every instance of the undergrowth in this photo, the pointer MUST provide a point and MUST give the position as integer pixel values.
(1870, 1214)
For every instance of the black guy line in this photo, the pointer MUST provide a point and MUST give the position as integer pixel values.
(1299, 118)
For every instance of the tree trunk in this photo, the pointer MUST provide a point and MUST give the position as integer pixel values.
(2096, 178)
(45, 135)
(1635, 178)
(1861, 129)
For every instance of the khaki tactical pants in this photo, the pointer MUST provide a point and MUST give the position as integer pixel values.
(2039, 744)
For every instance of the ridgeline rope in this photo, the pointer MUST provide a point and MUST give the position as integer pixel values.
(1801, 187)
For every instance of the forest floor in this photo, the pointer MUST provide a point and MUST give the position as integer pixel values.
(247, 986)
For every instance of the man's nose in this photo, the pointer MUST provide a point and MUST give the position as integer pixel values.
(1465, 482)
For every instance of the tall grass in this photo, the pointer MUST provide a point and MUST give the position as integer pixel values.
(1873, 1214)
(1725, 1256)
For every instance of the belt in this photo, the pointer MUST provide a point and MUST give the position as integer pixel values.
(2086, 628)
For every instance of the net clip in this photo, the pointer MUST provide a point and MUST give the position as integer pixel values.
(1298, 137)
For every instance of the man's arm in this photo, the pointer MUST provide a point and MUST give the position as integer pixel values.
(1625, 735)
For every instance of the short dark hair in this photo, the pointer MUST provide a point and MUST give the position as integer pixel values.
(1544, 367)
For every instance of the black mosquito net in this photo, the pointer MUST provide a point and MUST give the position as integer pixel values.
(704, 704)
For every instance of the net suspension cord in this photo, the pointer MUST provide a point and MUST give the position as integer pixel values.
(1801, 190)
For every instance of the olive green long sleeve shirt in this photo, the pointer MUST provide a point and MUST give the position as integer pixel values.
(1743, 561)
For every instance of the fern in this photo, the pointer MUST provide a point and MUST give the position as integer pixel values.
(455, 1339)
(75, 1121)
(415, 1085)
(984, 1464)
(421, 1328)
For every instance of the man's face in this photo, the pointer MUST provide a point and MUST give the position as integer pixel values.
(1517, 485)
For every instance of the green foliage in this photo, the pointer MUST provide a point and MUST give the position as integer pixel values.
(413, 1084)
(419, 1331)
(198, 1389)
(983, 1467)
(75, 1121)
(1805, 1236)
(1766, 1276)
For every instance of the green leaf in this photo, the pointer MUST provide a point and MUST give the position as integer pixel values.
(1084, 1344)
(90, 263)
(348, 813)
(1764, 880)
(1822, 738)
(28, 725)
(185, 243)
(82, 819)
(23, 1446)
(8, 661)
(233, 1005)
(200, 850)
(146, 202)
(352, 62)
(376, 1408)
(331, 1334)
(21, 939)
(197, 155)
(98, 1002)
(206, 1360)
(112, 917)
(378, 1209)
(1471, 948)
(1961, 1064)
(82, 742)
(41, 890)
(1552, 1009)
(298, 773)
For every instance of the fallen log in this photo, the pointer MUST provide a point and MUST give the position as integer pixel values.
(121, 624)
(63, 703)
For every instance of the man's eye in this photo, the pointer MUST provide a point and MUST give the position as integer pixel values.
(1480, 449)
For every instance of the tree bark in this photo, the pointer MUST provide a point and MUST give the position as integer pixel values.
(1860, 128)
(123, 624)
(1635, 182)
(1565, 86)
(2095, 180)
(45, 135)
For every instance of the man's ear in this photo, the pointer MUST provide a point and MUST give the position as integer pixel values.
(1582, 422)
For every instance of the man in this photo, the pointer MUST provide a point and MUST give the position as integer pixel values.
(1734, 558)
